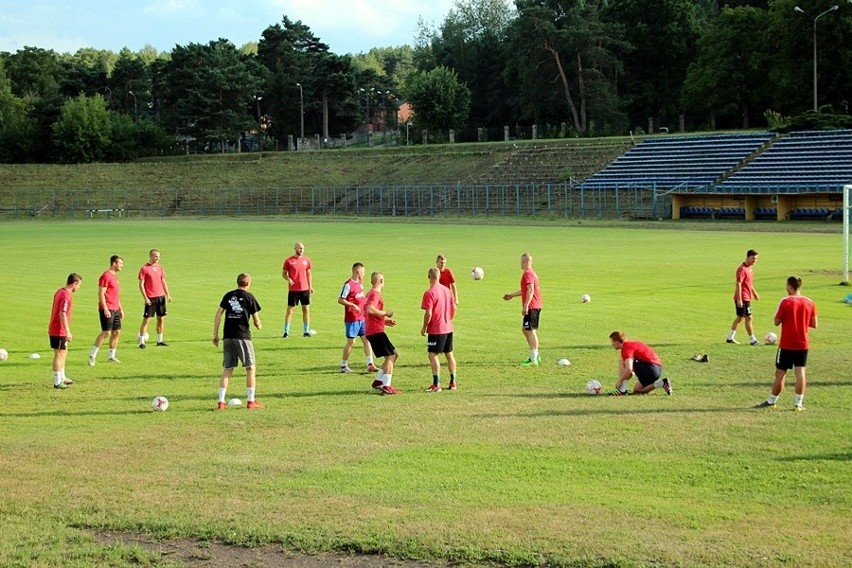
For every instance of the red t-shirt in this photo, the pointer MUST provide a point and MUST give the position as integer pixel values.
(61, 305)
(446, 277)
(529, 276)
(745, 278)
(297, 268)
(152, 277)
(795, 313)
(638, 351)
(109, 281)
(353, 292)
(374, 324)
(439, 300)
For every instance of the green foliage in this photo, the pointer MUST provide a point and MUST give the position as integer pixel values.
(775, 120)
(82, 133)
(440, 102)
(819, 120)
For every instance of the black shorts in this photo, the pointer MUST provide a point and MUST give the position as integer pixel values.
(531, 319)
(381, 344)
(111, 323)
(647, 373)
(439, 343)
(786, 359)
(743, 312)
(57, 342)
(299, 297)
(157, 307)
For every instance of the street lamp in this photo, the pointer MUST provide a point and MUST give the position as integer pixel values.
(135, 107)
(832, 9)
(258, 98)
(301, 114)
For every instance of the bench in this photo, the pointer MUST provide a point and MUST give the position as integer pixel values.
(109, 212)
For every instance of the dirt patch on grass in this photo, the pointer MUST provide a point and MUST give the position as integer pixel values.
(198, 554)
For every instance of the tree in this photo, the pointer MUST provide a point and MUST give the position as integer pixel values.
(17, 129)
(439, 101)
(82, 133)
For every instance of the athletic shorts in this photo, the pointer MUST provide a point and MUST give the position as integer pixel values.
(157, 307)
(111, 323)
(237, 351)
(299, 297)
(381, 344)
(531, 319)
(439, 343)
(354, 329)
(743, 312)
(57, 342)
(786, 359)
(647, 373)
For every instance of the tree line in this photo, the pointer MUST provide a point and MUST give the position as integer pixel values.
(583, 67)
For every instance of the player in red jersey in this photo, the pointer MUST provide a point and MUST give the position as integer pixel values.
(796, 315)
(377, 318)
(297, 271)
(638, 359)
(59, 329)
(110, 310)
(439, 309)
(447, 278)
(353, 300)
(155, 293)
(744, 293)
(531, 304)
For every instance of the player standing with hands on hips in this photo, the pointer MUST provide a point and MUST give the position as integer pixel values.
(237, 306)
(297, 272)
(796, 315)
(530, 294)
(59, 329)
(744, 293)
(155, 293)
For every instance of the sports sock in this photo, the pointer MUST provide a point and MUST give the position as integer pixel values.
(370, 360)
(250, 395)
(159, 338)
(452, 378)
(287, 327)
(732, 333)
(798, 399)
(112, 353)
(307, 327)
(752, 338)
(344, 363)
(57, 378)
(534, 355)
(140, 339)
(436, 380)
(94, 351)
(658, 384)
(222, 394)
(386, 380)
(772, 399)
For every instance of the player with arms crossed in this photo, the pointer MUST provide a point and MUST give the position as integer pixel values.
(155, 293)
(353, 300)
(796, 315)
(637, 359)
(377, 318)
(59, 329)
(439, 308)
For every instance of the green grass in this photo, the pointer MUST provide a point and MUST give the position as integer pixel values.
(519, 467)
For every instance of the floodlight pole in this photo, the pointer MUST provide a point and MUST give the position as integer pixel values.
(135, 107)
(832, 9)
(301, 115)
(847, 189)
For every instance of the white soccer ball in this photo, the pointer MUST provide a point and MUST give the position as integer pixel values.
(3, 354)
(145, 337)
(770, 338)
(35, 356)
(585, 298)
(477, 273)
(564, 363)
(312, 331)
(235, 403)
(594, 387)
(160, 404)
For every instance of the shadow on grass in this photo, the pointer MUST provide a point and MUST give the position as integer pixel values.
(618, 412)
(838, 456)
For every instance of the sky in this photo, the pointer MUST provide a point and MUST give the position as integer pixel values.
(347, 26)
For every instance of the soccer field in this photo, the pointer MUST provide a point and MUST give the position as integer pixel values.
(519, 467)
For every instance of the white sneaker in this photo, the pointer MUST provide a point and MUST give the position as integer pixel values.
(91, 360)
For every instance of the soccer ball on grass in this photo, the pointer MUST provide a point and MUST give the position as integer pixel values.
(477, 273)
(594, 387)
(235, 403)
(585, 298)
(3, 354)
(770, 338)
(160, 404)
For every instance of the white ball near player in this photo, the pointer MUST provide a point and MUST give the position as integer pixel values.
(160, 404)
(770, 338)
(594, 387)
(477, 273)
(564, 363)
(235, 403)
(3, 354)
(585, 298)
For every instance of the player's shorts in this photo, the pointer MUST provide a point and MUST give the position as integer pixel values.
(647, 373)
(157, 307)
(111, 323)
(294, 298)
(744, 311)
(58, 342)
(381, 344)
(354, 329)
(786, 359)
(531, 319)
(237, 351)
(439, 343)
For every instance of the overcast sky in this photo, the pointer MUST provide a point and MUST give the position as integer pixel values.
(347, 26)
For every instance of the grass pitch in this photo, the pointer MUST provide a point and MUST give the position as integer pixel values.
(519, 467)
